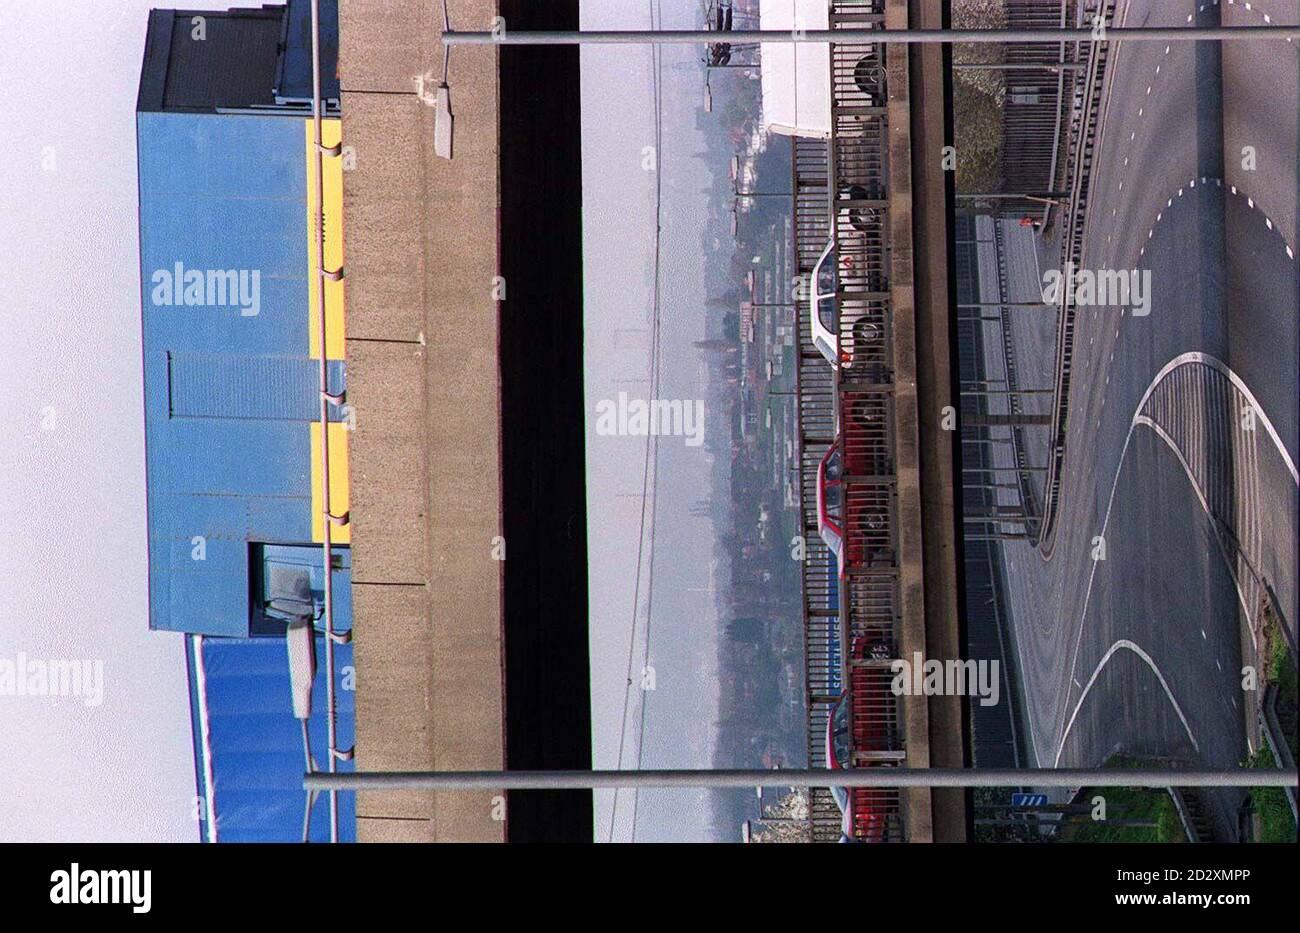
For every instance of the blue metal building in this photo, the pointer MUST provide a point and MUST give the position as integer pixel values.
(231, 361)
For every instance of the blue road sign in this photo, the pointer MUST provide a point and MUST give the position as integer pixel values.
(1028, 800)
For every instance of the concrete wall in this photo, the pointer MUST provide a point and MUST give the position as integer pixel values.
(927, 533)
(918, 822)
(421, 251)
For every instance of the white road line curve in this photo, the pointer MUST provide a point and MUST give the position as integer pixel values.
(1205, 506)
(1136, 649)
(1196, 356)
(1183, 359)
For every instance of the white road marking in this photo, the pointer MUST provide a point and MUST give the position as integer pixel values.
(1138, 418)
(1268, 221)
(1136, 649)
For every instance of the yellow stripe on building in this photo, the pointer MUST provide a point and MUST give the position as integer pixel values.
(332, 175)
(338, 441)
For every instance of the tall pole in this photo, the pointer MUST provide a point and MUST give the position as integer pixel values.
(990, 66)
(803, 777)
(906, 36)
(327, 514)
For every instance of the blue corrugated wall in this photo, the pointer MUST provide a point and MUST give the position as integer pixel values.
(228, 397)
(256, 744)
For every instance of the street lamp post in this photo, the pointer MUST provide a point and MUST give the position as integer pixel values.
(1271, 32)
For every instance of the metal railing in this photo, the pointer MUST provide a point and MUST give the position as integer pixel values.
(850, 621)
(1270, 727)
(1040, 83)
(328, 518)
(994, 730)
(815, 388)
(869, 599)
(1014, 397)
(1083, 138)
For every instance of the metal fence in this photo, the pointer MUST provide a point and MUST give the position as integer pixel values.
(1039, 94)
(994, 739)
(1028, 498)
(850, 619)
(869, 601)
(1083, 138)
(815, 385)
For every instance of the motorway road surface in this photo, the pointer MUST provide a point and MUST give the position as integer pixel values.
(1142, 652)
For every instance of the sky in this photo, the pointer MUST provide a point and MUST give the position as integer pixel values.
(73, 585)
(674, 602)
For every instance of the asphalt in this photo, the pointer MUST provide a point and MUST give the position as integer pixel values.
(1141, 652)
